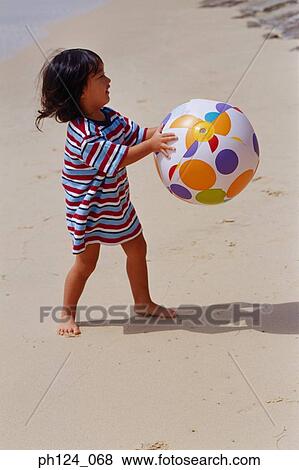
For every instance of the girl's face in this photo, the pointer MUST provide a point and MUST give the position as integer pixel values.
(95, 94)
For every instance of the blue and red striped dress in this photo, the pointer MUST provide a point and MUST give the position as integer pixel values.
(97, 193)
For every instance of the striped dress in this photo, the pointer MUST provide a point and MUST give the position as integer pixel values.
(97, 195)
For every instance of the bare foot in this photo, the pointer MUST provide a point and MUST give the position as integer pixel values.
(69, 327)
(154, 310)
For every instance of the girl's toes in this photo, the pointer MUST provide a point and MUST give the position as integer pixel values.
(69, 332)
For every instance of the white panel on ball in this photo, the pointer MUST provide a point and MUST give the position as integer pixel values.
(217, 152)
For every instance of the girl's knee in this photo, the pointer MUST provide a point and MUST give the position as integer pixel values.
(136, 247)
(85, 269)
(86, 262)
(143, 247)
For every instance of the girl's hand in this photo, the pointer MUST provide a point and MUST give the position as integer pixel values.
(158, 141)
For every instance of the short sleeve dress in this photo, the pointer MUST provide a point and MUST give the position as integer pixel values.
(96, 187)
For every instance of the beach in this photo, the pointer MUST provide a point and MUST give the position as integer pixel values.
(232, 386)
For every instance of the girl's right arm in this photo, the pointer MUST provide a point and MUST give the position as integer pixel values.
(157, 143)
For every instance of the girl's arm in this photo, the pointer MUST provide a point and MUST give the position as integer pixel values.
(150, 132)
(158, 143)
(136, 152)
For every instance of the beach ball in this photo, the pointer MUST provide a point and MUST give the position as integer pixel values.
(217, 152)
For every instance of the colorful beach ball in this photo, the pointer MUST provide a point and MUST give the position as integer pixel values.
(217, 152)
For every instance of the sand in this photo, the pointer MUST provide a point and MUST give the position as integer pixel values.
(227, 387)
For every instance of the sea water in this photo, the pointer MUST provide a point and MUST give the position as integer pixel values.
(20, 17)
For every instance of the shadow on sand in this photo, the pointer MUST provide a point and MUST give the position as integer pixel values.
(219, 318)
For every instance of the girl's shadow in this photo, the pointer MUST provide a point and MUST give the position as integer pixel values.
(220, 318)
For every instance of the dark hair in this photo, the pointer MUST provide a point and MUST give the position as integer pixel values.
(64, 77)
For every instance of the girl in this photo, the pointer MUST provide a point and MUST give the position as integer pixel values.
(100, 143)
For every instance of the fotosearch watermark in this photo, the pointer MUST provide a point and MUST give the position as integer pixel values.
(213, 315)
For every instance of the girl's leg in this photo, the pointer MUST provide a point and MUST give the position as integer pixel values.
(75, 281)
(138, 276)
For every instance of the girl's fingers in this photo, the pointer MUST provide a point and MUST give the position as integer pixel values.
(167, 147)
(173, 136)
(165, 154)
(169, 139)
(165, 150)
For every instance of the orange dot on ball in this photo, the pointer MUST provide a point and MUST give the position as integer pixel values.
(240, 183)
(197, 174)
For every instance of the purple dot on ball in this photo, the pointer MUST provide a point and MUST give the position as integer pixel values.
(226, 161)
(256, 145)
(191, 150)
(221, 107)
(166, 119)
(180, 191)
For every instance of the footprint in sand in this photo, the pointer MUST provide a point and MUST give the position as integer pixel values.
(230, 243)
(273, 193)
(155, 445)
(41, 177)
(227, 221)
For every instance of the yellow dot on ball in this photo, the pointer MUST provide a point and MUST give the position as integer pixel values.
(238, 139)
(203, 131)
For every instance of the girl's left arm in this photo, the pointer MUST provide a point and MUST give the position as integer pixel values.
(150, 132)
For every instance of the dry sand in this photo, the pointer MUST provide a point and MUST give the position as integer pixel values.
(181, 387)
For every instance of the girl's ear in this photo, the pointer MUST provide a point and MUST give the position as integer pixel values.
(83, 92)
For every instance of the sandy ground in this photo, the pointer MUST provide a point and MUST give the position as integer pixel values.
(232, 387)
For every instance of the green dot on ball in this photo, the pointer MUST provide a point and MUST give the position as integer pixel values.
(211, 196)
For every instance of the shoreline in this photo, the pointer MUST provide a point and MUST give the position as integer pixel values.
(14, 33)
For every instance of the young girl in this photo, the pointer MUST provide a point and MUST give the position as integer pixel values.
(100, 143)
